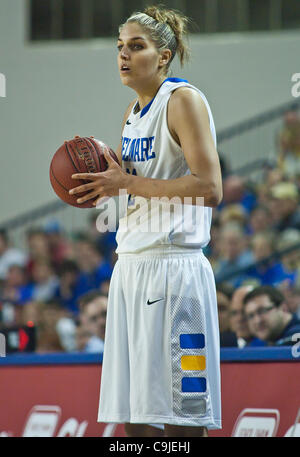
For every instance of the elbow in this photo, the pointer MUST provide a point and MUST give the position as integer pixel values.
(214, 197)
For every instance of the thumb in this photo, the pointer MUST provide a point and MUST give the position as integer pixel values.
(108, 157)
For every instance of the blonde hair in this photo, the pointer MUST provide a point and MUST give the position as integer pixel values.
(167, 29)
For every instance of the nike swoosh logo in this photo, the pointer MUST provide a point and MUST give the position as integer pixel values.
(128, 123)
(154, 301)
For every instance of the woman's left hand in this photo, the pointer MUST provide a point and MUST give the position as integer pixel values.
(103, 184)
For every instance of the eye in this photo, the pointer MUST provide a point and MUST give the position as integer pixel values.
(133, 46)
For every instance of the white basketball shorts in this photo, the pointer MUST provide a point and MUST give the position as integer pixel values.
(161, 361)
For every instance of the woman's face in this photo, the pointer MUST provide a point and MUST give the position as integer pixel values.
(138, 58)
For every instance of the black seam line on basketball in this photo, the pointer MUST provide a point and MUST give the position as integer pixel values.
(72, 160)
(151, 302)
(96, 149)
(99, 156)
(57, 180)
(86, 143)
(77, 151)
(77, 169)
(91, 151)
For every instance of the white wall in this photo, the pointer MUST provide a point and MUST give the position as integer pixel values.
(55, 91)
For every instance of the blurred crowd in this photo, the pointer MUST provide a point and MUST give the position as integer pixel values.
(59, 284)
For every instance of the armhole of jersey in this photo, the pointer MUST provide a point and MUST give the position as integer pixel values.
(167, 123)
(172, 139)
(176, 88)
(131, 106)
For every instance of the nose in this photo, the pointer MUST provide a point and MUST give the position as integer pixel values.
(124, 53)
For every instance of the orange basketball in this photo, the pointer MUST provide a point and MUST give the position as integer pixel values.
(80, 155)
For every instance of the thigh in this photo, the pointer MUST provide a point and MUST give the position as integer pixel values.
(114, 403)
(194, 346)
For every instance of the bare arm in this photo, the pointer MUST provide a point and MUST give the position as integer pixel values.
(189, 124)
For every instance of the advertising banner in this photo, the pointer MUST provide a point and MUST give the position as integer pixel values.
(259, 399)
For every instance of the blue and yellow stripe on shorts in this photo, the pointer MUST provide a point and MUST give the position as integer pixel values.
(193, 362)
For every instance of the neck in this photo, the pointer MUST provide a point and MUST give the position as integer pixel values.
(147, 93)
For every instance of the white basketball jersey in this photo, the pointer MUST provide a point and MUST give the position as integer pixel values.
(149, 150)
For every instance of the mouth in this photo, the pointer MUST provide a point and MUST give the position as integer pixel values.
(124, 68)
(261, 329)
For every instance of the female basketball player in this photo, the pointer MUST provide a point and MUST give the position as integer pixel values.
(161, 358)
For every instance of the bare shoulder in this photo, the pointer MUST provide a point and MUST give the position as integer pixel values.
(186, 99)
(186, 108)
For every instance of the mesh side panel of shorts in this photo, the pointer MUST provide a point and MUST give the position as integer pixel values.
(188, 320)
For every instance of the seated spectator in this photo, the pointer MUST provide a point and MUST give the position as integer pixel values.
(234, 255)
(9, 256)
(44, 283)
(289, 145)
(68, 290)
(48, 341)
(266, 317)
(14, 279)
(284, 200)
(106, 242)
(238, 321)
(54, 317)
(83, 335)
(59, 246)
(290, 260)
(10, 295)
(93, 307)
(273, 176)
(269, 272)
(260, 220)
(292, 300)
(234, 213)
(38, 247)
(235, 191)
(227, 336)
(45, 317)
(32, 313)
(93, 267)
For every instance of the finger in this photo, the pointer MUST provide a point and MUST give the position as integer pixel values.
(83, 188)
(90, 176)
(88, 196)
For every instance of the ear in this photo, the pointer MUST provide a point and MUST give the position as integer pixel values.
(165, 57)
